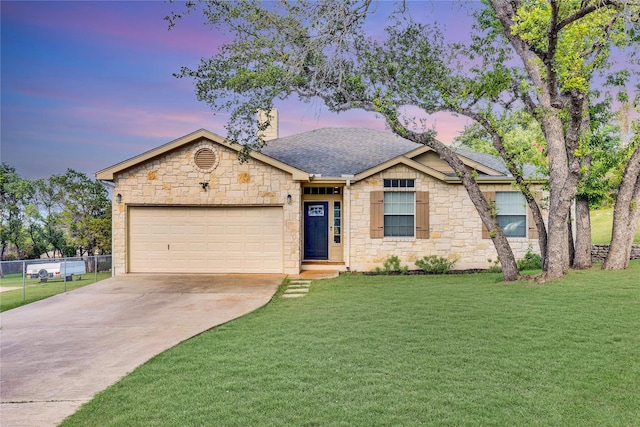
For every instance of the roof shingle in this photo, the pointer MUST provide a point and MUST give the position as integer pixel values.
(335, 152)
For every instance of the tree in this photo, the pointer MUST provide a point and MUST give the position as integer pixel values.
(16, 194)
(37, 243)
(67, 213)
(562, 45)
(626, 211)
(320, 50)
(86, 213)
(50, 200)
(523, 143)
(603, 155)
(523, 140)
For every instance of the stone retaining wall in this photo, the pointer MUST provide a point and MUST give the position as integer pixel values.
(599, 252)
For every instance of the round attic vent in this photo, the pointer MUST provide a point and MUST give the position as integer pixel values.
(205, 159)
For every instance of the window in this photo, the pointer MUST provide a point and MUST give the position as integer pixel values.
(399, 214)
(322, 190)
(393, 213)
(399, 183)
(511, 209)
(337, 222)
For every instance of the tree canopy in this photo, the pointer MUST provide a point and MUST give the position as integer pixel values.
(538, 57)
(62, 215)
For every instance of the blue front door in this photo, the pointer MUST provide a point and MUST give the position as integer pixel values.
(316, 230)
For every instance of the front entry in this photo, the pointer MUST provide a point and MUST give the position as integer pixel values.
(316, 226)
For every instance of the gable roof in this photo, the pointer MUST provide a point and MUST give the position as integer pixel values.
(109, 173)
(335, 152)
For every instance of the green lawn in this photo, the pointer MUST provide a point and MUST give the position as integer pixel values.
(601, 224)
(36, 291)
(403, 350)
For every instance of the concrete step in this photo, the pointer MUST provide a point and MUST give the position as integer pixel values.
(297, 288)
(300, 282)
(297, 291)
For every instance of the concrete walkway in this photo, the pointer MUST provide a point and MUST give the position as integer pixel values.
(55, 354)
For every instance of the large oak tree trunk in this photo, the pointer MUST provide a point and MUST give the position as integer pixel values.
(625, 216)
(486, 211)
(532, 199)
(562, 189)
(564, 165)
(582, 258)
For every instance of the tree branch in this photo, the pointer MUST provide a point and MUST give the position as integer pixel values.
(518, 175)
(584, 11)
(597, 47)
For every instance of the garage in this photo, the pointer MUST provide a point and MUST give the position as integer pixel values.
(205, 239)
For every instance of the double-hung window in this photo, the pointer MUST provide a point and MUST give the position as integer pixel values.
(511, 209)
(399, 214)
(399, 211)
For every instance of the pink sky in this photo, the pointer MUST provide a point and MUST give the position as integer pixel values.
(87, 84)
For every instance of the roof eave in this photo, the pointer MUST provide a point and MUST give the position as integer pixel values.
(401, 160)
(108, 174)
(473, 164)
(495, 180)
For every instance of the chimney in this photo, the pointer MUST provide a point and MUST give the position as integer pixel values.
(271, 132)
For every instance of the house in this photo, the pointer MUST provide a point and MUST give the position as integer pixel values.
(332, 198)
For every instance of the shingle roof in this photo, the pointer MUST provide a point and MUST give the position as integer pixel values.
(495, 162)
(333, 152)
(338, 151)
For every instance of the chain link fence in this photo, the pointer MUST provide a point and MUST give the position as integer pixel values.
(33, 279)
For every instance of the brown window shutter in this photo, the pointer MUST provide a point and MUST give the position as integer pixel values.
(491, 198)
(422, 214)
(533, 230)
(376, 219)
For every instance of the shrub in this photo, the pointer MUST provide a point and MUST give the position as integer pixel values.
(435, 264)
(392, 266)
(531, 261)
(495, 268)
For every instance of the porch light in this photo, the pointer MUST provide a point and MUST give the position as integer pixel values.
(289, 198)
(119, 198)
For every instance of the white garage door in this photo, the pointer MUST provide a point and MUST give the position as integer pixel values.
(205, 240)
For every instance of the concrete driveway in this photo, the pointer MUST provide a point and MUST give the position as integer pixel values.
(57, 353)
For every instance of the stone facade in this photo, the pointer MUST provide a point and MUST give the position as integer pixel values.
(455, 226)
(173, 179)
(175, 175)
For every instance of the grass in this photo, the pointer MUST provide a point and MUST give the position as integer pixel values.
(601, 225)
(36, 291)
(359, 350)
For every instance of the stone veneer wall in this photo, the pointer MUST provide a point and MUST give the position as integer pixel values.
(173, 180)
(599, 252)
(455, 226)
